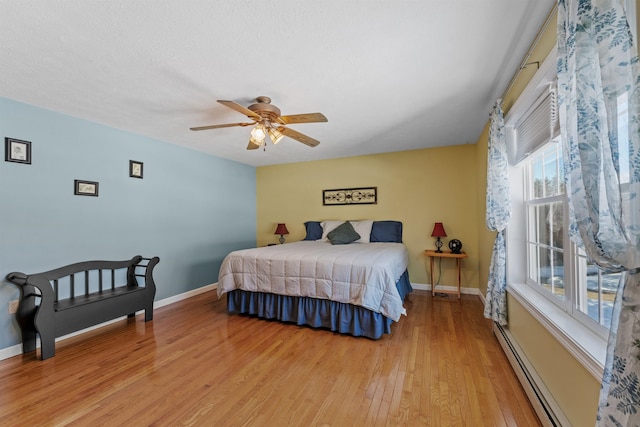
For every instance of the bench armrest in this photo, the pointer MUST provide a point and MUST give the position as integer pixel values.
(17, 278)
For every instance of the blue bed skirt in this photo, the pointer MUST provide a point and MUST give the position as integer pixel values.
(317, 313)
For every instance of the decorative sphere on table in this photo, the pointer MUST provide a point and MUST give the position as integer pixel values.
(455, 246)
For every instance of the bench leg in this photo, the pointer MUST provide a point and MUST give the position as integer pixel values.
(148, 314)
(47, 347)
(28, 341)
(44, 322)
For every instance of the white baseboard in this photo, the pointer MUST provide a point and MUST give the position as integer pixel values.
(463, 290)
(543, 402)
(8, 352)
(15, 350)
(183, 296)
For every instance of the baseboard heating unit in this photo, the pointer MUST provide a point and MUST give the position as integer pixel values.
(544, 404)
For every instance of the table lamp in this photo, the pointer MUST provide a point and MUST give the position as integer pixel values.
(438, 231)
(281, 229)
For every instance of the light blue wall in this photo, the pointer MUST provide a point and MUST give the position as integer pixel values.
(191, 209)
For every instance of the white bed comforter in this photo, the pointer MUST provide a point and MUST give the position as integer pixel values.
(363, 274)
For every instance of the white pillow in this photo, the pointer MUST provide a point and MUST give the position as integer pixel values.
(363, 228)
(329, 226)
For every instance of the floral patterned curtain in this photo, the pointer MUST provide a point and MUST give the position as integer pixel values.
(498, 213)
(598, 80)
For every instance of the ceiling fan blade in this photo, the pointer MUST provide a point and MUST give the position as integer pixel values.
(298, 136)
(227, 125)
(303, 118)
(239, 108)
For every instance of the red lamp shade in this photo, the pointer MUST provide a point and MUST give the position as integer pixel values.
(281, 229)
(438, 230)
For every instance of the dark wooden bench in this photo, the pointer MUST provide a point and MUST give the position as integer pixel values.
(77, 296)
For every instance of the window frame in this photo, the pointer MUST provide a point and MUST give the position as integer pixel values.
(570, 253)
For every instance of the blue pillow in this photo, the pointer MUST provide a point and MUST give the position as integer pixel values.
(314, 230)
(386, 231)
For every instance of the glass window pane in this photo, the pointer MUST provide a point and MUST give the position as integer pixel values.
(556, 227)
(560, 168)
(596, 291)
(536, 171)
(547, 171)
(552, 272)
(544, 226)
(550, 173)
(532, 226)
(608, 288)
(557, 278)
(545, 268)
(593, 299)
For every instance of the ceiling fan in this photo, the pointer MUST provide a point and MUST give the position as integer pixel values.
(267, 121)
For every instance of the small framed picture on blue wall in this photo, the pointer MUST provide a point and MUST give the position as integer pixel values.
(135, 169)
(17, 151)
(85, 188)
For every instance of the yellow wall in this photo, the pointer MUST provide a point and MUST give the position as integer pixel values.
(574, 389)
(417, 187)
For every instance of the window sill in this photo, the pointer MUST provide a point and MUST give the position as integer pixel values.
(585, 345)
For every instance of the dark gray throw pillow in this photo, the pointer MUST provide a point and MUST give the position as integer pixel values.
(343, 234)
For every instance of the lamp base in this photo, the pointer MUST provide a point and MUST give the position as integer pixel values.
(438, 245)
(281, 239)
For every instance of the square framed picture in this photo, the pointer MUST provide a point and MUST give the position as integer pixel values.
(17, 151)
(135, 169)
(85, 188)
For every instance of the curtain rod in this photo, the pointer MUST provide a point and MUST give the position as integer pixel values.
(524, 63)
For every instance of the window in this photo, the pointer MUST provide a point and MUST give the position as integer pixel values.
(545, 208)
(566, 276)
(595, 290)
(538, 242)
(547, 274)
(540, 253)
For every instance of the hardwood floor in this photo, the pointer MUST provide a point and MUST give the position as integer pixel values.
(196, 365)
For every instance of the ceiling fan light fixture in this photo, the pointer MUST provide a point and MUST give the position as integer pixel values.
(275, 135)
(255, 141)
(258, 133)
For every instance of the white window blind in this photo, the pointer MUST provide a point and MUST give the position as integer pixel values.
(533, 121)
(537, 126)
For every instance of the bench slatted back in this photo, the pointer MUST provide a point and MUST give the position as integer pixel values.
(67, 276)
(73, 290)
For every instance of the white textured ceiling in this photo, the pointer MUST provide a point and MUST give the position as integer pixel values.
(389, 75)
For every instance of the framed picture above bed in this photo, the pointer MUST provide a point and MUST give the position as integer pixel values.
(350, 196)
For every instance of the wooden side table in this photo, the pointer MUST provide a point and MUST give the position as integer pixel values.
(458, 257)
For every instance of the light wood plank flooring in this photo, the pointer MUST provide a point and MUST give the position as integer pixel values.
(196, 365)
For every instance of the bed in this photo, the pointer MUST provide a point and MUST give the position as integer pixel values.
(352, 282)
